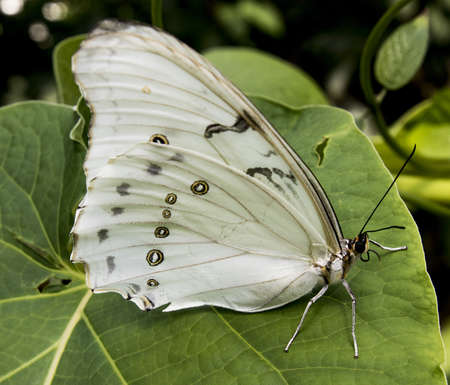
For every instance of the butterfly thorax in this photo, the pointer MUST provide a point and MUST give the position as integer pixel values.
(331, 269)
(336, 267)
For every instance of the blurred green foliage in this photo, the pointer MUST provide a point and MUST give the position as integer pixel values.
(402, 53)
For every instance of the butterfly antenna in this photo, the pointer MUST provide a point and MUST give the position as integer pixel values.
(389, 188)
(386, 228)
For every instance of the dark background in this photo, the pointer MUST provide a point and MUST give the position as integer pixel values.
(324, 38)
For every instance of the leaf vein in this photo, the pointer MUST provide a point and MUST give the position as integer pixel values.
(27, 363)
(34, 209)
(104, 350)
(251, 347)
(42, 296)
(65, 336)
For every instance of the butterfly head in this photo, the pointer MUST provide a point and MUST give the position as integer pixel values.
(359, 245)
(352, 250)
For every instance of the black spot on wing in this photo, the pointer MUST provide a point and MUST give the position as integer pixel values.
(282, 175)
(122, 190)
(260, 170)
(102, 235)
(270, 153)
(214, 129)
(117, 210)
(266, 172)
(110, 263)
(154, 169)
(240, 126)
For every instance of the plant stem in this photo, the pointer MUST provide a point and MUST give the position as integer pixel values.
(157, 19)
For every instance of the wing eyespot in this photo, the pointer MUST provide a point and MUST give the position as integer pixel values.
(161, 232)
(152, 282)
(159, 138)
(155, 257)
(199, 187)
(171, 198)
(166, 213)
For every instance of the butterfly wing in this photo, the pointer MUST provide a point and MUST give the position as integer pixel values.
(249, 243)
(217, 247)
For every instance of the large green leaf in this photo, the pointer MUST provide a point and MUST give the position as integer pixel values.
(40, 179)
(262, 75)
(72, 337)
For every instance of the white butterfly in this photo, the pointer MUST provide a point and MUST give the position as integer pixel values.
(193, 197)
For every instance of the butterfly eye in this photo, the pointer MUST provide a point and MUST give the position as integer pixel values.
(199, 187)
(159, 138)
(161, 232)
(152, 282)
(155, 257)
(171, 198)
(360, 247)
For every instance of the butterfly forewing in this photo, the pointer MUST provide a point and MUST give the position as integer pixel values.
(213, 207)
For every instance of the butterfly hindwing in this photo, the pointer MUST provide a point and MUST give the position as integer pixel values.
(214, 245)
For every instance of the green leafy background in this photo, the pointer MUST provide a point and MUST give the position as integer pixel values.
(265, 76)
(72, 337)
(427, 124)
(401, 55)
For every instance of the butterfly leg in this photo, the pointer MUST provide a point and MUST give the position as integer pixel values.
(311, 301)
(352, 296)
